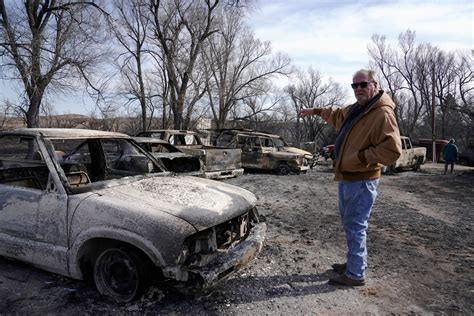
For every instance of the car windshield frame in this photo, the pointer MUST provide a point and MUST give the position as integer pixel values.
(100, 168)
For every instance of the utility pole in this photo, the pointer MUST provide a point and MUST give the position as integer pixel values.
(433, 130)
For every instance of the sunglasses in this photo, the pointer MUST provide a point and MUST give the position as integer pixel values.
(362, 84)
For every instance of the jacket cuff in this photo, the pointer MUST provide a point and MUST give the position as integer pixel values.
(317, 111)
(361, 157)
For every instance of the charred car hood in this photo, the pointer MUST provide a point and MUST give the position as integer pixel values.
(284, 155)
(202, 203)
(297, 151)
(171, 155)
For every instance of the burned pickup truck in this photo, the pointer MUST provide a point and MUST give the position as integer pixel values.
(218, 162)
(411, 158)
(85, 203)
(263, 151)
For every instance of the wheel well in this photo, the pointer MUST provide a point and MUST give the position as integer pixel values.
(92, 248)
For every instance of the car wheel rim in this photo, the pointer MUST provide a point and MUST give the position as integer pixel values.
(116, 275)
(283, 170)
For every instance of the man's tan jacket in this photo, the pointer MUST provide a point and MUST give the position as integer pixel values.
(372, 142)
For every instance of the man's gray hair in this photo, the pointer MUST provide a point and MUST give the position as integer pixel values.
(368, 72)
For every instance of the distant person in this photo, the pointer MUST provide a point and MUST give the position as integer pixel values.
(450, 155)
(368, 138)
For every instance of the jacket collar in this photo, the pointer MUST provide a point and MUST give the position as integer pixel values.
(379, 100)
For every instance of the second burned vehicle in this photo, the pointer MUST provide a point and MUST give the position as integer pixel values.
(174, 159)
(218, 162)
(263, 151)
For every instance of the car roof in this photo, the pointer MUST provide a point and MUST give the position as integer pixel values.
(150, 140)
(65, 133)
(249, 132)
(171, 131)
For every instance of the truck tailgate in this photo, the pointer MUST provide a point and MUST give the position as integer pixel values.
(216, 158)
(223, 158)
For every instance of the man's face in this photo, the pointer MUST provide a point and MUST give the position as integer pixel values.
(363, 95)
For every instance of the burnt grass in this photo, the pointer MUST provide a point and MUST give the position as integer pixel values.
(420, 241)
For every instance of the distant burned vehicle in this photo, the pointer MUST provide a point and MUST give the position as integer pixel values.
(173, 158)
(411, 158)
(85, 203)
(281, 145)
(262, 151)
(218, 162)
(229, 136)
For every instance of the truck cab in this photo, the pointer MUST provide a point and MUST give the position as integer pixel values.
(411, 157)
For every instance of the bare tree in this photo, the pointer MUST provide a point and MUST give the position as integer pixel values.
(48, 44)
(308, 91)
(239, 66)
(7, 112)
(131, 31)
(408, 73)
(180, 29)
(465, 82)
(257, 108)
(106, 119)
(382, 60)
(404, 74)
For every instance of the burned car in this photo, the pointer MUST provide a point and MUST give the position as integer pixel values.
(281, 145)
(174, 159)
(217, 162)
(263, 151)
(85, 203)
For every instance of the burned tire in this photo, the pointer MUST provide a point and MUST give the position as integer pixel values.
(120, 274)
(389, 170)
(392, 169)
(417, 165)
(283, 170)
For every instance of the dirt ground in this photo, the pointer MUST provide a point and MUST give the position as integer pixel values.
(421, 256)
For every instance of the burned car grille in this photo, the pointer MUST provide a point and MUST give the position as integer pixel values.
(203, 246)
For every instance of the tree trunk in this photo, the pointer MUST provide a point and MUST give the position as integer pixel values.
(32, 115)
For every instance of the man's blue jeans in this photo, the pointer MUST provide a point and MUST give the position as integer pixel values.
(355, 203)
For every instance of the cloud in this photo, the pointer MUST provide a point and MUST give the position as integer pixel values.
(332, 36)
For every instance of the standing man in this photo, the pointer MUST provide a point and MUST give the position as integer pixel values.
(450, 155)
(368, 138)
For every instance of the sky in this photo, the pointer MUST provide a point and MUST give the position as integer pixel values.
(332, 36)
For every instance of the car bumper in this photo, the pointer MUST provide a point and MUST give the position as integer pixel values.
(223, 174)
(232, 260)
(304, 168)
(299, 168)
